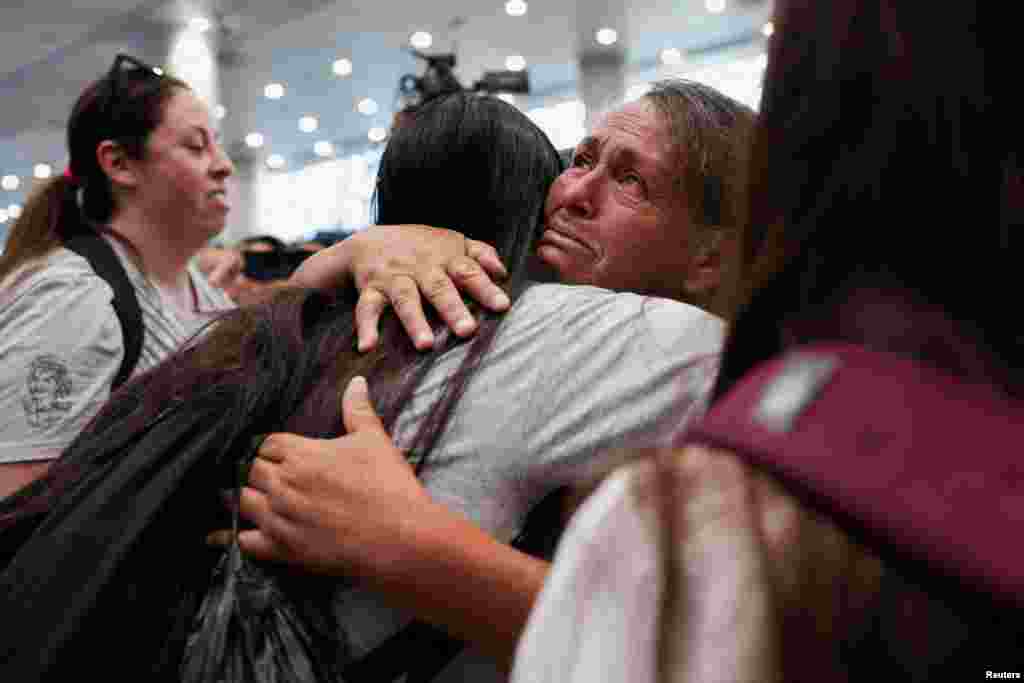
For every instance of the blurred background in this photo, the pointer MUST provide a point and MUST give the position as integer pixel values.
(304, 91)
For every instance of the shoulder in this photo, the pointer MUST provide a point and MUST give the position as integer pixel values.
(591, 312)
(210, 298)
(61, 275)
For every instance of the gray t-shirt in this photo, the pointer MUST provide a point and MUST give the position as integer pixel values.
(61, 346)
(573, 373)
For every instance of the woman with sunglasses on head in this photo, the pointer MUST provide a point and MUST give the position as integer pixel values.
(147, 174)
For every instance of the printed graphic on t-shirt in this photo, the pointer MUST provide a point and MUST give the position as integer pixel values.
(49, 382)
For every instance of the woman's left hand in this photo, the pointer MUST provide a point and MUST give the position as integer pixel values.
(337, 506)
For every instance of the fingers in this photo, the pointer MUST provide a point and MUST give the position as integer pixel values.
(357, 410)
(405, 299)
(227, 269)
(439, 289)
(327, 269)
(486, 256)
(469, 277)
(259, 546)
(369, 308)
(273, 448)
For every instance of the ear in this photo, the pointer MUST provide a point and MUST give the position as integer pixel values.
(709, 259)
(116, 163)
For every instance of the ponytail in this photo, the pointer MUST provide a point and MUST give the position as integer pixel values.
(50, 214)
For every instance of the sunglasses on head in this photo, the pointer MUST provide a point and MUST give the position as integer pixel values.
(115, 80)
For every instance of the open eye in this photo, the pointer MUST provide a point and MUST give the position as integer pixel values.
(633, 182)
(582, 160)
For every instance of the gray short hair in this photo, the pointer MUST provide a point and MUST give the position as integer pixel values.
(712, 134)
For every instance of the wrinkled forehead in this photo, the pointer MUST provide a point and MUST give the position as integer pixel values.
(642, 129)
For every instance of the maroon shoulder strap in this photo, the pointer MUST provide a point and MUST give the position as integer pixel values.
(917, 463)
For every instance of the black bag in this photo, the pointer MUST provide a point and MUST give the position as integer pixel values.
(249, 630)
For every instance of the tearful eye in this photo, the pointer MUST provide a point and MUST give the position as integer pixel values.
(581, 160)
(633, 183)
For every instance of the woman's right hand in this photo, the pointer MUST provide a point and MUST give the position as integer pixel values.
(394, 265)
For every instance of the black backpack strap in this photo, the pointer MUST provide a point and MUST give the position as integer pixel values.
(101, 257)
(422, 650)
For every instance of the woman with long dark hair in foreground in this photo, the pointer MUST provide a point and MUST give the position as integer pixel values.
(856, 518)
(491, 425)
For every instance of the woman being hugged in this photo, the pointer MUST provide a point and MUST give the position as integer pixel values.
(147, 174)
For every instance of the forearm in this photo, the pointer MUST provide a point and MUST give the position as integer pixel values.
(451, 573)
(15, 475)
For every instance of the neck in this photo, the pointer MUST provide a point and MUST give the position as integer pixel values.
(165, 255)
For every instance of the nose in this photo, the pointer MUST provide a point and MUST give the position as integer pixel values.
(580, 192)
(222, 164)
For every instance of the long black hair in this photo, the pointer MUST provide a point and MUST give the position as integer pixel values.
(885, 159)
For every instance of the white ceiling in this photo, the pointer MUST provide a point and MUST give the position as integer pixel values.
(50, 50)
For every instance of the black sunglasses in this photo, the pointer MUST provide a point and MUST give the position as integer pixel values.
(115, 80)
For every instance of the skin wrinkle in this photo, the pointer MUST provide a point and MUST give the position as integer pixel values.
(618, 202)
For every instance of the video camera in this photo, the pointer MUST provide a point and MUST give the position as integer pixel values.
(439, 79)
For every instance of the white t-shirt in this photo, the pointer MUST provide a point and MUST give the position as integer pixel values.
(573, 373)
(596, 618)
(61, 346)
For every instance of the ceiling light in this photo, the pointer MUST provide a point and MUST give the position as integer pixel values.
(421, 40)
(275, 161)
(515, 63)
(10, 182)
(377, 134)
(342, 67)
(42, 171)
(672, 56)
(199, 24)
(220, 111)
(323, 148)
(158, 71)
(191, 47)
(515, 8)
(637, 91)
(768, 29)
(715, 6)
(254, 140)
(367, 106)
(607, 36)
(14, 211)
(274, 91)
(307, 124)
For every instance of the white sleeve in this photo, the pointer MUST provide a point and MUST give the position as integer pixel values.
(60, 349)
(624, 371)
(596, 619)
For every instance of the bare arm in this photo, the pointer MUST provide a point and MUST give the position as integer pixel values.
(395, 265)
(352, 506)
